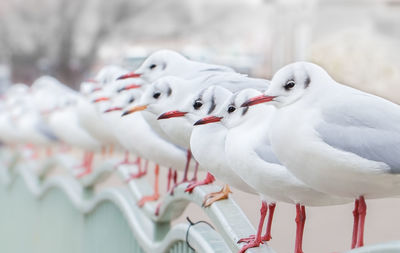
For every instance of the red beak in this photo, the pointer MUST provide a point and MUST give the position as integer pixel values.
(129, 75)
(172, 114)
(258, 100)
(113, 109)
(207, 120)
(96, 89)
(91, 81)
(100, 99)
(128, 87)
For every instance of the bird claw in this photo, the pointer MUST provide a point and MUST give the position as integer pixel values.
(215, 196)
(266, 238)
(208, 180)
(193, 185)
(85, 172)
(157, 211)
(247, 239)
(137, 175)
(146, 199)
(254, 243)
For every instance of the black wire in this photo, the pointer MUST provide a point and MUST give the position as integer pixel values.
(193, 224)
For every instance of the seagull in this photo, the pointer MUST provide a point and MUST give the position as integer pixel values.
(162, 95)
(9, 133)
(136, 135)
(32, 125)
(115, 101)
(249, 154)
(337, 139)
(65, 124)
(173, 92)
(212, 157)
(170, 63)
(88, 114)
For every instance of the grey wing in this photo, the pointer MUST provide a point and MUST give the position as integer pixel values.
(46, 131)
(264, 151)
(370, 128)
(236, 82)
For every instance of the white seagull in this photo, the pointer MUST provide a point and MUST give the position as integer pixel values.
(170, 63)
(249, 153)
(136, 135)
(210, 157)
(336, 139)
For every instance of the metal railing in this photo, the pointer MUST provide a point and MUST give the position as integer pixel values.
(59, 213)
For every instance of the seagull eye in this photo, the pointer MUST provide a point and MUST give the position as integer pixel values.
(131, 100)
(289, 85)
(197, 105)
(152, 66)
(231, 109)
(156, 95)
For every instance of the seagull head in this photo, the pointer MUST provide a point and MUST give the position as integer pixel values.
(101, 99)
(232, 113)
(158, 64)
(291, 83)
(206, 102)
(129, 86)
(165, 94)
(109, 74)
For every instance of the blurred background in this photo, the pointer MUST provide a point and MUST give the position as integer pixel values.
(357, 41)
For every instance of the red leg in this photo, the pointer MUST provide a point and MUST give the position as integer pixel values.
(208, 180)
(267, 236)
(185, 174)
(188, 158)
(35, 153)
(362, 211)
(126, 161)
(49, 152)
(196, 169)
(126, 157)
(87, 164)
(157, 211)
(175, 177)
(140, 172)
(299, 228)
(171, 190)
(103, 152)
(355, 224)
(169, 179)
(257, 240)
(156, 193)
(303, 223)
(111, 150)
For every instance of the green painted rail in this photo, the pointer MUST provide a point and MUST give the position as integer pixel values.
(62, 214)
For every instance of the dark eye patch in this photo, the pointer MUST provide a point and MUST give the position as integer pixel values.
(245, 110)
(131, 100)
(289, 84)
(213, 105)
(307, 82)
(156, 95)
(152, 66)
(231, 108)
(197, 104)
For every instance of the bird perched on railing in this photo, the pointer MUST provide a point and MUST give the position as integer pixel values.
(170, 63)
(249, 154)
(211, 157)
(137, 136)
(336, 139)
